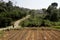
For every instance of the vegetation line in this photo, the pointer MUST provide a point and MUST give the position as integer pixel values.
(16, 23)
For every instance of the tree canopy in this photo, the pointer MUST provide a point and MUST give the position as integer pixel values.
(9, 13)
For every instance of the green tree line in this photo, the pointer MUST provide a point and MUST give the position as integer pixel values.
(10, 13)
(49, 17)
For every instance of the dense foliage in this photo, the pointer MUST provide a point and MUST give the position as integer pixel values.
(45, 17)
(49, 17)
(10, 13)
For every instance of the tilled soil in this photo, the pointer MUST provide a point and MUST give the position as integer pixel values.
(31, 34)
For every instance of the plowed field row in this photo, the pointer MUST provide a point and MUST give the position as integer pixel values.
(31, 34)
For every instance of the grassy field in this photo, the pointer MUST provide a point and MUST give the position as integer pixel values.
(1, 33)
(56, 27)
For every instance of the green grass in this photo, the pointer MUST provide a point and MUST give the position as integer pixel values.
(1, 33)
(56, 27)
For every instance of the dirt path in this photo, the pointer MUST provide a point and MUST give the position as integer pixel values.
(16, 23)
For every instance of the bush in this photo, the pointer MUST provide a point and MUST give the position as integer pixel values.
(46, 23)
(5, 22)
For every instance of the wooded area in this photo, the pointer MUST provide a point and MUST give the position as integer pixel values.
(10, 13)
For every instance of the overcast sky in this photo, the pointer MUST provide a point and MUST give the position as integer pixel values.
(34, 4)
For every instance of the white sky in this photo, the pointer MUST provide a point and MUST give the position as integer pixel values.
(34, 4)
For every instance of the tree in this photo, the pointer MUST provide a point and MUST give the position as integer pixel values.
(10, 13)
(54, 16)
(54, 4)
(52, 12)
(51, 7)
(9, 5)
(44, 10)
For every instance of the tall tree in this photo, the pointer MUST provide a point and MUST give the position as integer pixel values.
(52, 6)
(52, 12)
(9, 5)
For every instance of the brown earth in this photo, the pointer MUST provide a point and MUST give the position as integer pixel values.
(31, 34)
